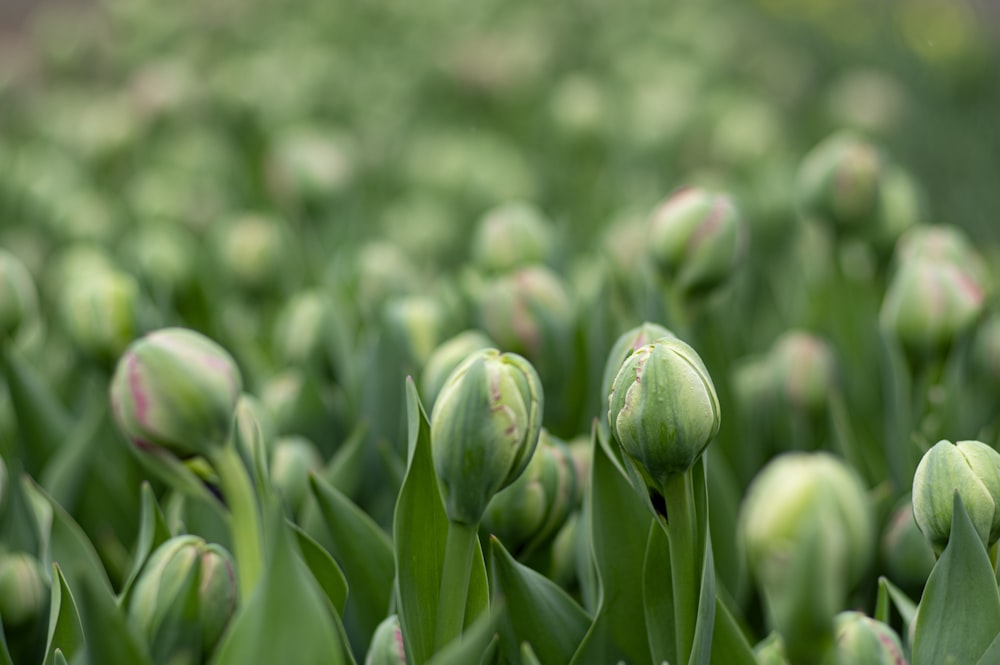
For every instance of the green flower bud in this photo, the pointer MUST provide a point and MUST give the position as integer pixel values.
(163, 255)
(771, 651)
(696, 239)
(177, 390)
(162, 591)
(970, 468)
(100, 312)
(307, 331)
(253, 427)
(18, 299)
(415, 324)
(511, 236)
(296, 404)
(805, 368)
(387, 646)
(252, 250)
(527, 312)
(907, 554)
(663, 410)
(294, 457)
(627, 343)
(484, 429)
(839, 181)
(310, 165)
(930, 303)
(861, 640)
(537, 504)
(445, 358)
(625, 245)
(24, 593)
(383, 270)
(945, 243)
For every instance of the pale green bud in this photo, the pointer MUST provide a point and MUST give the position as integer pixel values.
(307, 330)
(626, 344)
(292, 460)
(697, 238)
(839, 181)
(18, 298)
(970, 468)
(163, 255)
(162, 590)
(484, 429)
(861, 640)
(253, 251)
(908, 556)
(24, 593)
(805, 369)
(511, 236)
(663, 410)
(176, 389)
(101, 312)
(445, 358)
(310, 165)
(387, 647)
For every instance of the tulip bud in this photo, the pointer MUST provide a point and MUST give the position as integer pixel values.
(805, 367)
(970, 468)
(696, 239)
(861, 640)
(839, 182)
(100, 312)
(445, 358)
(907, 554)
(307, 331)
(175, 389)
(415, 324)
(294, 457)
(163, 255)
(626, 344)
(18, 299)
(387, 644)
(511, 236)
(383, 270)
(484, 429)
(944, 243)
(24, 595)
(310, 165)
(163, 589)
(930, 303)
(252, 250)
(663, 410)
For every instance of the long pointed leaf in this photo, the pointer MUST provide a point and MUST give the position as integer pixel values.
(65, 628)
(153, 532)
(324, 568)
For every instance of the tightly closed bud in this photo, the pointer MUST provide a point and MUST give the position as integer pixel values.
(307, 330)
(163, 591)
(163, 255)
(663, 409)
(387, 644)
(294, 457)
(18, 299)
(252, 250)
(805, 369)
(310, 165)
(101, 312)
(970, 468)
(537, 504)
(839, 182)
(944, 243)
(900, 207)
(484, 430)
(929, 303)
(861, 640)
(511, 236)
(23, 591)
(445, 358)
(175, 389)
(907, 554)
(626, 344)
(415, 324)
(697, 238)
(383, 270)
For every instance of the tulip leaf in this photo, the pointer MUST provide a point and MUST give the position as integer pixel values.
(619, 533)
(110, 639)
(65, 629)
(324, 568)
(536, 610)
(287, 618)
(992, 654)
(68, 469)
(20, 527)
(528, 656)
(471, 645)
(420, 532)
(344, 470)
(701, 651)
(153, 532)
(658, 596)
(907, 608)
(959, 613)
(58, 658)
(729, 644)
(365, 553)
(5, 658)
(42, 421)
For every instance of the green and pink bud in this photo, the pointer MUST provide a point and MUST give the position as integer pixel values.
(839, 182)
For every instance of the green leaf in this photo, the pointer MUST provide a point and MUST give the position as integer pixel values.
(658, 596)
(177, 630)
(59, 658)
(619, 533)
(959, 613)
(20, 527)
(701, 651)
(365, 553)
(67, 471)
(65, 629)
(324, 568)
(538, 611)
(344, 470)
(729, 644)
(42, 421)
(992, 655)
(907, 608)
(110, 639)
(287, 619)
(470, 646)
(420, 532)
(528, 656)
(153, 532)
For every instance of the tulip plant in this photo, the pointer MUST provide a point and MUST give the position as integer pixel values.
(449, 333)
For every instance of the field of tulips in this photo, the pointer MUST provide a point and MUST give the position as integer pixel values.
(447, 333)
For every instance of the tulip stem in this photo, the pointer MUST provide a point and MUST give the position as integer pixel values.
(682, 542)
(245, 518)
(455, 582)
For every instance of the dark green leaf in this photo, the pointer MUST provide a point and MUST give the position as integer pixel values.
(538, 611)
(344, 470)
(153, 532)
(43, 423)
(470, 646)
(959, 613)
(701, 651)
(528, 656)
(65, 629)
(658, 596)
(110, 639)
(907, 608)
(729, 644)
(323, 567)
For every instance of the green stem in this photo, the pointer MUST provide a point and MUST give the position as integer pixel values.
(455, 582)
(244, 516)
(682, 541)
